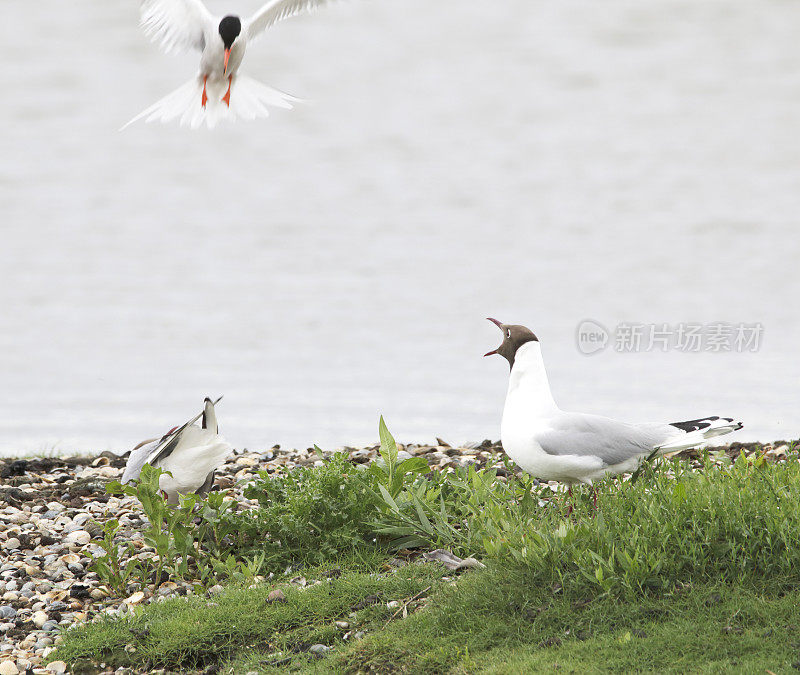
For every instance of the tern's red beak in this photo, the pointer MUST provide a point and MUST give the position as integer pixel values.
(227, 56)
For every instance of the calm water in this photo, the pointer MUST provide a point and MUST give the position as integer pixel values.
(543, 163)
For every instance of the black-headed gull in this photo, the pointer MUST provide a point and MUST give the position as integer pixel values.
(552, 444)
(190, 453)
(218, 91)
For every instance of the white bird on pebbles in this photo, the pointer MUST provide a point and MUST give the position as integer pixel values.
(569, 447)
(181, 25)
(190, 453)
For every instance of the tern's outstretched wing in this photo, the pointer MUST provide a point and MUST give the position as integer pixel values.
(176, 25)
(274, 11)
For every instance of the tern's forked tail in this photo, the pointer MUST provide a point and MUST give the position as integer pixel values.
(249, 99)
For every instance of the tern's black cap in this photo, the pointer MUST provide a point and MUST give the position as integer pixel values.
(229, 29)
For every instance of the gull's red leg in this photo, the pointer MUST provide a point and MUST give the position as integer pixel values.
(227, 97)
(205, 95)
(569, 492)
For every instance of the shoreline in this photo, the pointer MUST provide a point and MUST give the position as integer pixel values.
(52, 510)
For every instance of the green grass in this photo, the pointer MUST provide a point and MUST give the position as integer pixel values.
(195, 631)
(679, 570)
(489, 621)
(493, 622)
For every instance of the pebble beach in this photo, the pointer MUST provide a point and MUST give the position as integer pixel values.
(52, 511)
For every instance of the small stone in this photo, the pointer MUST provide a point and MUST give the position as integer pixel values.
(359, 635)
(11, 542)
(79, 537)
(135, 599)
(57, 667)
(276, 596)
(394, 604)
(344, 625)
(8, 668)
(79, 591)
(319, 650)
(39, 618)
(215, 590)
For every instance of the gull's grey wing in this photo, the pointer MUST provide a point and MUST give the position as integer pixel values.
(169, 442)
(136, 460)
(592, 435)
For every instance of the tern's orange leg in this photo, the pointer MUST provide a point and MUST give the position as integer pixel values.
(205, 95)
(227, 97)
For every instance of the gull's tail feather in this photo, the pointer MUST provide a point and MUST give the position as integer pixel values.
(696, 432)
(249, 100)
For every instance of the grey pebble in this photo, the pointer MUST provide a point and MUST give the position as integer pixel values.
(319, 649)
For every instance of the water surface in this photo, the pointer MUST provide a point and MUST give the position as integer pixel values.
(543, 163)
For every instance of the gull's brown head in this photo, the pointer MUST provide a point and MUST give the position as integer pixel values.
(513, 338)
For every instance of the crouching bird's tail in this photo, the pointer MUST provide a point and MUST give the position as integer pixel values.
(249, 99)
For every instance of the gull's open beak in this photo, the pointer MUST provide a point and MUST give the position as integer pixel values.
(500, 326)
(227, 56)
